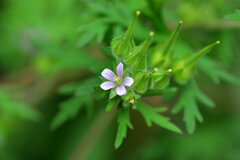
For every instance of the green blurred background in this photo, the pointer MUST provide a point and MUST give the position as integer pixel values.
(47, 43)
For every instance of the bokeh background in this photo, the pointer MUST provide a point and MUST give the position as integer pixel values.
(45, 44)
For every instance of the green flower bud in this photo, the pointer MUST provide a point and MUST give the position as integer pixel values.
(183, 68)
(123, 45)
(162, 56)
(141, 81)
(160, 78)
(137, 59)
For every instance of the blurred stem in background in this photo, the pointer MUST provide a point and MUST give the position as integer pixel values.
(94, 133)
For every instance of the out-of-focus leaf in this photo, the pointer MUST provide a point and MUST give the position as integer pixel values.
(151, 115)
(82, 87)
(60, 58)
(212, 69)
(69, 109)
(188, 103)
(234, 16)
(82, 96)
(123, 123)
(168, 90)
(10, 108)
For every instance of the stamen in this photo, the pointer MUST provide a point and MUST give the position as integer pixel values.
(116, 79)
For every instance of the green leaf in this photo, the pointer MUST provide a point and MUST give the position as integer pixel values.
(83, 96)
(69, 109)
(112, 103)
(85, 38)
(151, 115)
(123, 123)
(168, 90)
(79, 88)
(188, 102)
(10, 107)
(212, 69)
(234, 16)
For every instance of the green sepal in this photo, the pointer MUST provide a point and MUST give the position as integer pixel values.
(141, 81)
(160, 79)
(183, 75)
(123, 45)
(130, 98)
(112, 93)
(137, 59)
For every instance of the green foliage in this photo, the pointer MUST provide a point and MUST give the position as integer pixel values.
(188, 103)
(12, 108)
(113, 15)
(55, 58)
(147, 77)
(112, 103)
(214, 70)
(71, 38)
(151, 115)
(123, 124)
(82, 97)
(234, 16)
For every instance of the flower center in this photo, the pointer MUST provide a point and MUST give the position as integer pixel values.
(118, 81)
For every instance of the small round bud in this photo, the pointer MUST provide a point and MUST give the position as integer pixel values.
(218, 42)
(155, 69)
(138, 13)
(151, 33)
(181, 22)
(170, 70)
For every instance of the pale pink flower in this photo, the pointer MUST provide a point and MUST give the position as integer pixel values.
(117, 81)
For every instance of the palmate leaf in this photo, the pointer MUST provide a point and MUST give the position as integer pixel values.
(55, 58)
(123, 123)
(151, 115)
(69, 109)
(188, 103)
(90, 31)
(82, 97)
(213, 70)
(110, 14)
(10, 108)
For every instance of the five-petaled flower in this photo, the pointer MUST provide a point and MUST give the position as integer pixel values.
(117, 81)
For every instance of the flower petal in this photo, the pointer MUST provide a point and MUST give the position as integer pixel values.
(120, 70)
(107, 85)
(108, 74)
(128, 81)
(121, 90)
